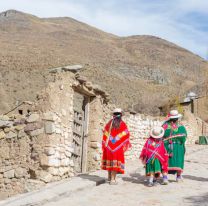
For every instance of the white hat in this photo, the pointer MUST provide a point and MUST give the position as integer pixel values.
(117, 110)
(157, 132)
(174, 114)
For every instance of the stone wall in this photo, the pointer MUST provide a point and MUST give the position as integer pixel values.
(21, 144)
(139, 127)
(36, 138)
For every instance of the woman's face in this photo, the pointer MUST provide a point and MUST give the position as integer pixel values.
(117, 114)
(174, 120)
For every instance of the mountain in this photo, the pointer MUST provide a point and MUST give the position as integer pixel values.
(145, 71)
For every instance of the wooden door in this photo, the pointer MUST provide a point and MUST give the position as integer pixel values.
(79, 136)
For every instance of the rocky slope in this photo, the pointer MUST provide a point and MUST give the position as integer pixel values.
(137, 70)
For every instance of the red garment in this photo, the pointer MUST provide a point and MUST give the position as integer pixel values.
(154, 148)
(114, 144)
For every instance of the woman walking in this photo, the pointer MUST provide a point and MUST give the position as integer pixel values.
(174, 140)
(115, 143)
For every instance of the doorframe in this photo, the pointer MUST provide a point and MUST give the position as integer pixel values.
(84, 159)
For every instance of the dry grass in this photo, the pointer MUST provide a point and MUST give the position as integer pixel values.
(136, 70)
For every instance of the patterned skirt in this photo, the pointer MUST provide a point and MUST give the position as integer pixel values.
(113, 161)
(153, 168)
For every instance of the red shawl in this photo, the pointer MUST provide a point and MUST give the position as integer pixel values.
(116, 138)
(154, 148)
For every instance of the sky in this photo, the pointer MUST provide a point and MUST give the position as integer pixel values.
(183, 22)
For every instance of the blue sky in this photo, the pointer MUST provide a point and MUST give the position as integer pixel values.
(184, 22)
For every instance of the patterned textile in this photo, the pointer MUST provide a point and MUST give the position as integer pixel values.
(152, 150)
(115, 143)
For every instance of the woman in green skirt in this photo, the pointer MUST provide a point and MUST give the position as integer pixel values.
(154, 156)
(174, 140)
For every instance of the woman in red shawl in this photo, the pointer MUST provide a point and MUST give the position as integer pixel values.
(115, 143)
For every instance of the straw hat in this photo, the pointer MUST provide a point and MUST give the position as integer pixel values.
(157, 132)
(117, 110)
(174, 114)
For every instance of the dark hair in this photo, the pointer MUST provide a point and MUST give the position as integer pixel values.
(116, 120)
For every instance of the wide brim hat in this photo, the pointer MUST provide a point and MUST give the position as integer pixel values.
(157, 132)
(174, 114)
(117, 110)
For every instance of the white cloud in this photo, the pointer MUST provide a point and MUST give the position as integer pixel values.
(167, 19)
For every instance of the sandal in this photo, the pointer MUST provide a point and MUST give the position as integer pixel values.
(113, 182)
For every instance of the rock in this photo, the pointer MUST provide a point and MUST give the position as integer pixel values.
(63, 170)
(65, 162)
(95, 145)
(33, 126)
(19, 127)
(9, 174)
(49, 127)
(96, 157)
(68, 154)
(45, 176)
(20, 172)
(4, 123)
(21, 133)
(20, 121)
(82, 79)
(49, 161)
(7, 129)
(50, 116)
(54, 162)
(71, 163)
(55, 70)
(4, 118)
(11, 135)
(33, 118)
(36, 132)
(49, 151)
(53, 171)
(89, 85)
(72, 68)
(2, 134)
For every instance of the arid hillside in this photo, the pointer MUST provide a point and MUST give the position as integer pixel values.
(144, 71)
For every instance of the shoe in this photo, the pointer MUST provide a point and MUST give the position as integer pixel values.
(113, 182)
(150, 184)
(165, 182)
(179, 179)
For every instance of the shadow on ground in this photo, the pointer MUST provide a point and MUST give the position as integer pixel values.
(97, 179)
(135, 178)
(201, 179)
(197, 200)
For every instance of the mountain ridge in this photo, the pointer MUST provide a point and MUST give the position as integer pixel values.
(155, 69)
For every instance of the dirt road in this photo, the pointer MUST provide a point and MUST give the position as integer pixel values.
(132, 189)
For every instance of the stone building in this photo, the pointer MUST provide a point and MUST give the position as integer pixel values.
(55, 137)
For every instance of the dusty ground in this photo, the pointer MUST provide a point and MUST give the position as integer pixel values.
(133, 191)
